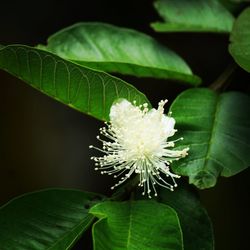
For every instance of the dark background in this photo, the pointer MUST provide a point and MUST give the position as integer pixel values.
(45, 144)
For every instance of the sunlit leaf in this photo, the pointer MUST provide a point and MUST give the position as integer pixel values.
(87, 90)
(193, 16)
(114, 49)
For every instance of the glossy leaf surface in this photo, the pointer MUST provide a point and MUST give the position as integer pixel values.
(195, 223)
(217, 130)
(134, 225)
(84, 89)
(50, 219)
(113, 49)
(240, 40)
(193, 16)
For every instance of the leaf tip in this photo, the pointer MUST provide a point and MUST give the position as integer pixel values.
(203, 180)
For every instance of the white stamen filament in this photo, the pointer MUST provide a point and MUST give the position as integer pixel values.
(138, 143)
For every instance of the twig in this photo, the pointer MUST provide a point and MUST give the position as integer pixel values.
(124, 191)
(223, 79)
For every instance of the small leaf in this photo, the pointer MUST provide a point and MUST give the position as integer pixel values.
(216, 128)
(195, 223)
(193, 16)
(131, 225)
(240, 40)
(50, 219)
(113, 49)
(84, 89)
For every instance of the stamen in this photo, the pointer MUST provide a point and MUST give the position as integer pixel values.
(135, 141)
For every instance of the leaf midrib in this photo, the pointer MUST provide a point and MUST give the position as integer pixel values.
(134, 64)
(26, 49)
(129, 226)
(88, 217)
(184, 26)
(213, 132)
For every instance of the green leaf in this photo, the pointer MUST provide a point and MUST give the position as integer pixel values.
(50, 219)
(131, 225)
(84, 89)
(114, 49)
(216, 127)
(192, 16)
(239, 47)
(195, 223)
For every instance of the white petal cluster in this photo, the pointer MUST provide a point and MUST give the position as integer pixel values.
(136, 141)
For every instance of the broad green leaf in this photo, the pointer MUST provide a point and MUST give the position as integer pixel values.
(87, 90)
(114, 49)
(216, 127)
(195, 223)
(193, 16)
(50, 219)
(134, 225)
(240, 40)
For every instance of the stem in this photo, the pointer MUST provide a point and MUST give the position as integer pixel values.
(223, 79)
(126, 189)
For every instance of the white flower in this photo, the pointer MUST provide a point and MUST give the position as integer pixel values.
(137, 142)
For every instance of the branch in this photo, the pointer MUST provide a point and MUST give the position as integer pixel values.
(224, 78)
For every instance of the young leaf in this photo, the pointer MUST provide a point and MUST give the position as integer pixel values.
(136, 225)
(193, 16)
(195, 223)
(50, 219)
(113, 49)
(87, 90)
(240, 40)
(216, 128)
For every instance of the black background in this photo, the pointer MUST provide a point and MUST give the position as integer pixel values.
(45, 144)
